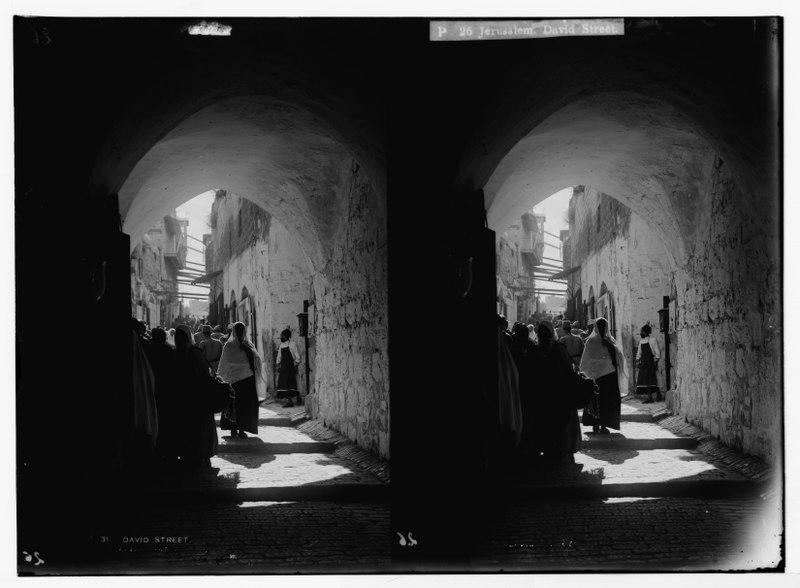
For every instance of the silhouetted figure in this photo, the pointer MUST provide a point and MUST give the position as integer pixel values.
(145, 412)
(288, 361)
(162, 362)
(573, 343)
(647, 356)
(506, 404)
(557, 430)
(141, 332)
(558, 324)
(198, 434)
(200, 334)
(524, 352)
(211, 347)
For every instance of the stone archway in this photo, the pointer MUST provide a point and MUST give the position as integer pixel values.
(273, 153)
(289, 161)
(660, 162)
(641, 150)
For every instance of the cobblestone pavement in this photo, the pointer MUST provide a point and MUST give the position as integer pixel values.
(631, 534)
(266, 434)
(245, 470)
(654, 509)
(321, 505)
(632, 430)
(655, 465)
(288, 470)
(595, 468)
(249, 538)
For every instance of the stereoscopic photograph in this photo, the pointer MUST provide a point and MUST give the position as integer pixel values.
(398, 295)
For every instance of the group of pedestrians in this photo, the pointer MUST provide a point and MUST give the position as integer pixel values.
(172, 382)
(538, 376)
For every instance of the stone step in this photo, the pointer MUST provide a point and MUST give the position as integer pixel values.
(256, 475)
(711, 489)
(273, 439)
(267, 421)
(340, 493)
(272, 415)
(255, 445)
(626, 444)
(636, 417)
(629, 471)
(635, 435)
(635, 413)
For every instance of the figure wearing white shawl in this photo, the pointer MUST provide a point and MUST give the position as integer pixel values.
(240, 366)
(604, 362)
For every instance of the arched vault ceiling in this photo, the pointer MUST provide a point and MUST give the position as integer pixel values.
(636, 149)
(273, 153)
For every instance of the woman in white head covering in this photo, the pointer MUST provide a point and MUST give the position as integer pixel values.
(604, 362)
(239, 366)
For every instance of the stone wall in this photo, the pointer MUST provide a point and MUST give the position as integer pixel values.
(729, 322)
(622, 252)
(146, 266)
(349, 343)
(600, 246)
(610, 266)
(651, 278)
(598, 219)
(725, 310)
(236, 225)
(507, 260)
(352, 377)
(150, 270)
(258, 253)
(149, 274)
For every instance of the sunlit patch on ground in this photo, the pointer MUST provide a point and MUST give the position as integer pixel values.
(627, 499)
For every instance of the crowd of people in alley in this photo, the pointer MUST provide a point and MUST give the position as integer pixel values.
(550, 369)
(178, 376)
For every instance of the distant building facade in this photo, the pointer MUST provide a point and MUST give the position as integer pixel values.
(617, 268)
(258, 275)
(519, 254)
(155, 264)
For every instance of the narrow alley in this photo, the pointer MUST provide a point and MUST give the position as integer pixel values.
(659, 495)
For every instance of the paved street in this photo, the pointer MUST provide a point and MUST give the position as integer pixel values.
(628, 534)
(625, 507)
(645, 498)
(252, 537)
